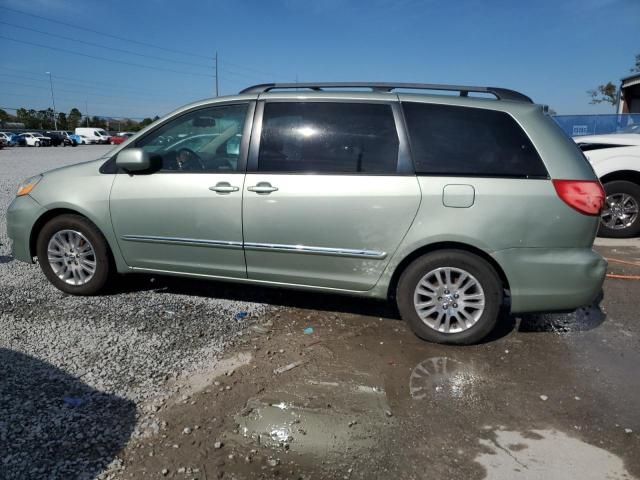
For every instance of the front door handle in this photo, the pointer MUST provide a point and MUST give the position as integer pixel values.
(223, 187)
(262, 188)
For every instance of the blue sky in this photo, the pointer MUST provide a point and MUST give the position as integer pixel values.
(552, 50)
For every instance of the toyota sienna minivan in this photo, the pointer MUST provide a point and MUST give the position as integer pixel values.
(446, 204)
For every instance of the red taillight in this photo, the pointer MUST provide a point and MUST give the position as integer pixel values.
(585, 196)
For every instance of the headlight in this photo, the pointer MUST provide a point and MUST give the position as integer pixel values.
(28, 185)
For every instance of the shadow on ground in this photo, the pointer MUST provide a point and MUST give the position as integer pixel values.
(54, 426)
(277, 296)
(582, 319)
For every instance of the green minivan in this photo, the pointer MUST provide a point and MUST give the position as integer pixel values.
(454, 201)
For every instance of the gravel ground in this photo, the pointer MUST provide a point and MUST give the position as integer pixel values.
(76, 372)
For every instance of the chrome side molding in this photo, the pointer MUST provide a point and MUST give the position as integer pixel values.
(338, 252)
(265, 247)
(183, 241)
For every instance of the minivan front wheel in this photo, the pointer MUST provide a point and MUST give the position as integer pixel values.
(73, 255)
(450, 296)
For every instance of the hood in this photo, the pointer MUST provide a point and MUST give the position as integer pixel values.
(628, 139)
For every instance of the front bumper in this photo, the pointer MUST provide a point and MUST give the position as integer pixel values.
(22, 215)
(552, 279)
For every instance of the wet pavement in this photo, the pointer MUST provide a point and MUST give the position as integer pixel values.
(360, 397)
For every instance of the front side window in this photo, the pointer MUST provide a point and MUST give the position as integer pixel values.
(460, 141)
(322, 137)
(204, 140)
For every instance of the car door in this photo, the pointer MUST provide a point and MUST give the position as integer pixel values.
(329, 192)
(185, 214)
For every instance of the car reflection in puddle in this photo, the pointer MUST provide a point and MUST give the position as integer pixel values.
(443, 377)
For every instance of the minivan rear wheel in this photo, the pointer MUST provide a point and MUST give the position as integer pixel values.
(450, 296)
(620, 217)
(73, 254)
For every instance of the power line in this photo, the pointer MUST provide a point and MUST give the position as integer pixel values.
(250, 69)
(71, 100)
(57, 49)
(107, 34)
(67, 90)
(129, 52)
(77, 85)
(93, 83)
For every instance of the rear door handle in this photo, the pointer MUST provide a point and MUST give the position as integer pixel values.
(262, 188)
(224, 187)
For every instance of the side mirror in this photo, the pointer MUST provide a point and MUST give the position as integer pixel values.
(133, 160)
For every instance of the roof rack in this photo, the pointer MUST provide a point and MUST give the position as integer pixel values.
(499, 93)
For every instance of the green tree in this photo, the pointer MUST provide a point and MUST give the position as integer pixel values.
(636, 67)
(74, 118)
(608, 92)
(62, 121)
(4, 116)
(145, 122)
(28, 117)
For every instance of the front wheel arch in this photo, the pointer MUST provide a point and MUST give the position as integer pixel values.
(49, 215)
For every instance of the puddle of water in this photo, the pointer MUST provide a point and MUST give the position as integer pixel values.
(351, 421)
(442, 377)
(549, 455)
(302, 429)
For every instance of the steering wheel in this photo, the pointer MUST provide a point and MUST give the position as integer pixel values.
(187, 159)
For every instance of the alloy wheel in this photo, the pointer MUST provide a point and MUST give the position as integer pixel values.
(449, 300)
(621, 211)
(72, 257)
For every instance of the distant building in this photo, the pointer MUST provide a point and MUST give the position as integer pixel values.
(629, 100)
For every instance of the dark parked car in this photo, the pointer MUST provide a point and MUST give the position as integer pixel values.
(58, 138)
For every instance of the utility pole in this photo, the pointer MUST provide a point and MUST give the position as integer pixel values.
(216, 73)
(86, 111)
(53, 100)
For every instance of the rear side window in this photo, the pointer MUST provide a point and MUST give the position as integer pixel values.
(321, 137)
(461, 141)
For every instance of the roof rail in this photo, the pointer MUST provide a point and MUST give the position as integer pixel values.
(499, 93)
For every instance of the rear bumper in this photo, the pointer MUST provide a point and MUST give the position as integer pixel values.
(21, 217)
(551, 279)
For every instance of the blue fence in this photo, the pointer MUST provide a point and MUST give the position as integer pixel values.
(576, 125)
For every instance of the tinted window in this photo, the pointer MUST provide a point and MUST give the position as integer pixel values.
(449, 140)
(204, 140)
(328, 138)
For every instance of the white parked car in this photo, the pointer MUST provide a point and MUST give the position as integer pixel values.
(36, 139)
(97, 135)
(84, 140)
(616, 160)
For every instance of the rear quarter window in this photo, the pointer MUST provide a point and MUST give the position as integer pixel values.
(463, 141)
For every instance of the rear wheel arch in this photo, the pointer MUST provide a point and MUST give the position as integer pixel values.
(626, 175)
(433, 247)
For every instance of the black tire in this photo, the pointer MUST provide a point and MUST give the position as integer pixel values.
(95, 238)
(628, 188)
(483, 272)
